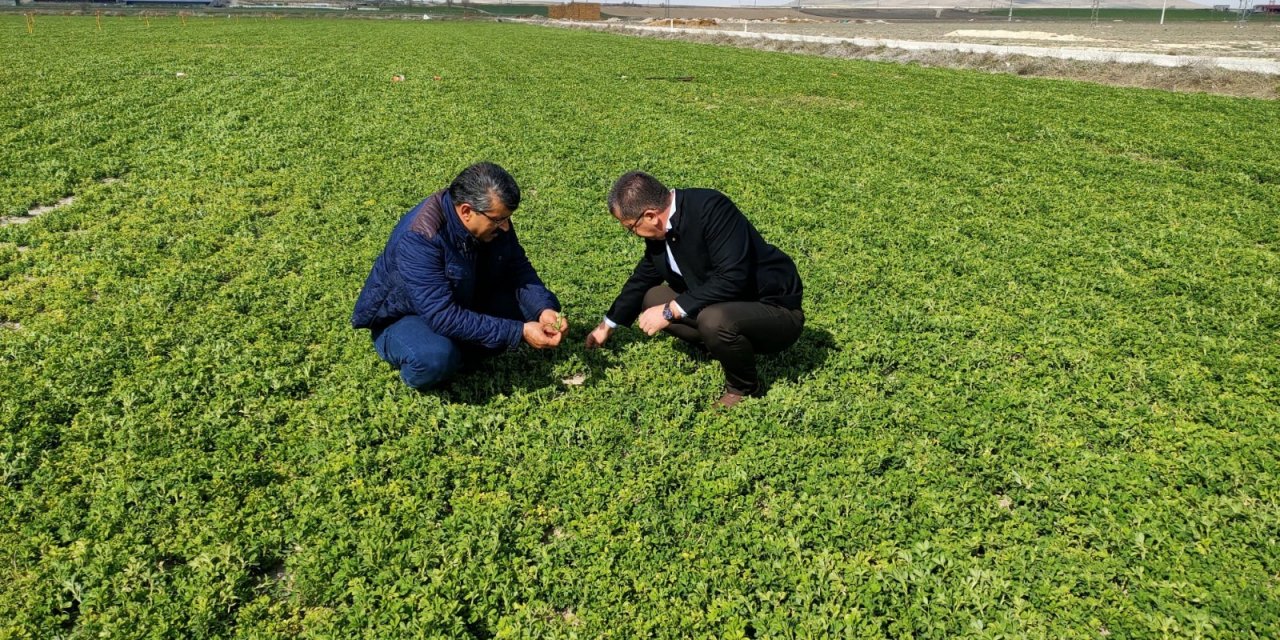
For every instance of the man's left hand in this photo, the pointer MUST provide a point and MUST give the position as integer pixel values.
(651, 321)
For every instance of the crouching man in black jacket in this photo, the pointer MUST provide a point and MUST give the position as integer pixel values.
(726, 289)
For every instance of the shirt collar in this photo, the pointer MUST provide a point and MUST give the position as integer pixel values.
(672, 215)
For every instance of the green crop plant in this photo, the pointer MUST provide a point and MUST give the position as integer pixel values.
(1036, 396)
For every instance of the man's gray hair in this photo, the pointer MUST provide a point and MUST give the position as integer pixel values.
(480, 183)
(635, 192)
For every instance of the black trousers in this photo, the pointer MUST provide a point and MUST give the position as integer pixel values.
(733, 333)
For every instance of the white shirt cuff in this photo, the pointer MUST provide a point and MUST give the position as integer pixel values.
(609, 323)
(679, 311)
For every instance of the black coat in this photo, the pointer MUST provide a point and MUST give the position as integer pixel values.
(722, 257)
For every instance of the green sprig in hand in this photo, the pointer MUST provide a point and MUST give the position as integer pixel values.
(558, 326)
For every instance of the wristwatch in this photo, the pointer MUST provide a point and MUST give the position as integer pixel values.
(666, 313)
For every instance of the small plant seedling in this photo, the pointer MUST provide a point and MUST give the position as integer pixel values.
(557, 326)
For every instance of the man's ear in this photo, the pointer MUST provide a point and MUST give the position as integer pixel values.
(465, 210)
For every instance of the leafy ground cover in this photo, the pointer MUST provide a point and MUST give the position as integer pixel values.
(1037, 395)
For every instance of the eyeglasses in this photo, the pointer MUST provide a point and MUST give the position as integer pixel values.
(497, 221)
(632, 227)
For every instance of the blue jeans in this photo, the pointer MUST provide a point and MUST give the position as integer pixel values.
(423, 357)
(426, 358)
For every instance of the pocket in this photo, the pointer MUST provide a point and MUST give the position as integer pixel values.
(455, 272)
(461, 281)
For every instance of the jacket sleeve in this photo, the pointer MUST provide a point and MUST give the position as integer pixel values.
(727, 237)
(422, 266)
(626, 307)
(534, 296)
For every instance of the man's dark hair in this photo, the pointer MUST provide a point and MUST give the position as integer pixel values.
(634, 192)
(480, 183)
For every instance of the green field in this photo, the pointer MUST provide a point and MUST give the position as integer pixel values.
(114, 11)
(1037, 395)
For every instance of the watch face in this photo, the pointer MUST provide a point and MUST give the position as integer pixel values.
(666, 312)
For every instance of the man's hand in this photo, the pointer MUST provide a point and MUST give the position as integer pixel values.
(651, 321)
(538, 336)
(598, 335)
(554, 321)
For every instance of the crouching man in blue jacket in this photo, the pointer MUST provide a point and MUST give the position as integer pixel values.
(454, 285)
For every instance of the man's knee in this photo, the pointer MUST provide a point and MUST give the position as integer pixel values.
(715, 324)
(660, 294)
(426, 369)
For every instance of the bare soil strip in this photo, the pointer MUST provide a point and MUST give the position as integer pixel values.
(37, 212)
(1269, 67)
(1195, 74)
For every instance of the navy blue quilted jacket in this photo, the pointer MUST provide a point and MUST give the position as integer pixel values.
(432, 267)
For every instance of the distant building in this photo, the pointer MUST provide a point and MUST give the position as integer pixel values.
(1266, 8)
(1222, 7)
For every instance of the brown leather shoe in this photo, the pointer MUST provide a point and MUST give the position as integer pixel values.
(728, 400)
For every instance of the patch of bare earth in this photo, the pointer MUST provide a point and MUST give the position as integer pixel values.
(36, 212)
(1189, 79)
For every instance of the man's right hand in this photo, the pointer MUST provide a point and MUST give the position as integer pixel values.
(539, 336)
(598, 335)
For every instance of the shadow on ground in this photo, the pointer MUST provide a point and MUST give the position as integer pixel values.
(528, 371)
(809, 353)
